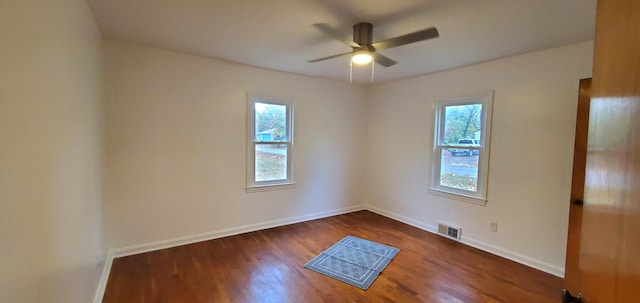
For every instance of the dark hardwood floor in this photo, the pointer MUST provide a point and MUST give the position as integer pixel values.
(266, 266)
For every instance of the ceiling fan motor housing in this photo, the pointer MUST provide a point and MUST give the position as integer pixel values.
(362, 34)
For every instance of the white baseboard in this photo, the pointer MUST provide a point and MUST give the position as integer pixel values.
(147, 247)
(505, 253)
(514, 256)
(104, 277)
(401, 218)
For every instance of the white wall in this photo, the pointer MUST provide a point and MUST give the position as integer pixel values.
(531, 153)
(50, 151)
(175, 152)
(176, 145)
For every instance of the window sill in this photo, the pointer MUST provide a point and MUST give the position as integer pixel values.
(459, 197)
(270, 187)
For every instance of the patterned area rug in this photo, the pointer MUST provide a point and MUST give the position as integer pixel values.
(353, 260)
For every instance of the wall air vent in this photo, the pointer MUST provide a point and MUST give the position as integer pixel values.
(451, 232)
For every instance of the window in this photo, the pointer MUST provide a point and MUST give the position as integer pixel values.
(461, 148)
(270, 144)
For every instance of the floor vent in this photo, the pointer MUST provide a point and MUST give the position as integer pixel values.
(451, 232)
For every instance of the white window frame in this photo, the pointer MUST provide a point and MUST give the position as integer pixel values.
(480, 196)
(252, 184)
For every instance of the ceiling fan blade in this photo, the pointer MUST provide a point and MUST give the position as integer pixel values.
(330, 57)
(383, 60)
(424, 34)
(335, 34)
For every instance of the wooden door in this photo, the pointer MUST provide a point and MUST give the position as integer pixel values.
(610, 241)
(572, 272)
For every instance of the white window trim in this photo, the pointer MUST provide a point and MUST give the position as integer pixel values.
(252, 185)
(480, 196)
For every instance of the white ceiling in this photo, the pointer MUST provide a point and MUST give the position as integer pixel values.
(277, 34)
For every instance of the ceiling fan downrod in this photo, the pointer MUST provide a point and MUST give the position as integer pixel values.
(363, 34)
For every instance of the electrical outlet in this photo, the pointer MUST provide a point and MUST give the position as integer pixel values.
(494, 226)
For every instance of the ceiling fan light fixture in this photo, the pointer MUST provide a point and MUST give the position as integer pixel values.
(362, 57)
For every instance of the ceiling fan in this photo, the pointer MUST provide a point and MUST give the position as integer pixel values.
(364, 50)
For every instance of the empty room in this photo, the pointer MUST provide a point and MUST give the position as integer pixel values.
(319, 151)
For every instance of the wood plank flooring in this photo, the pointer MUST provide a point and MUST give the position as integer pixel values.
(266, 266)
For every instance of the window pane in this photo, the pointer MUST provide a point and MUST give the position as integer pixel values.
(271, 162)
(271, 122)
(459, 168)
(462, 123)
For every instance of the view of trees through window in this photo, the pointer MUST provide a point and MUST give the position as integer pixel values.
(271, 126)
(462, 122)
(462, 127)
(271, 122)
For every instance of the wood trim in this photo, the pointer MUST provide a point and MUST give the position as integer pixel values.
(572, 270)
